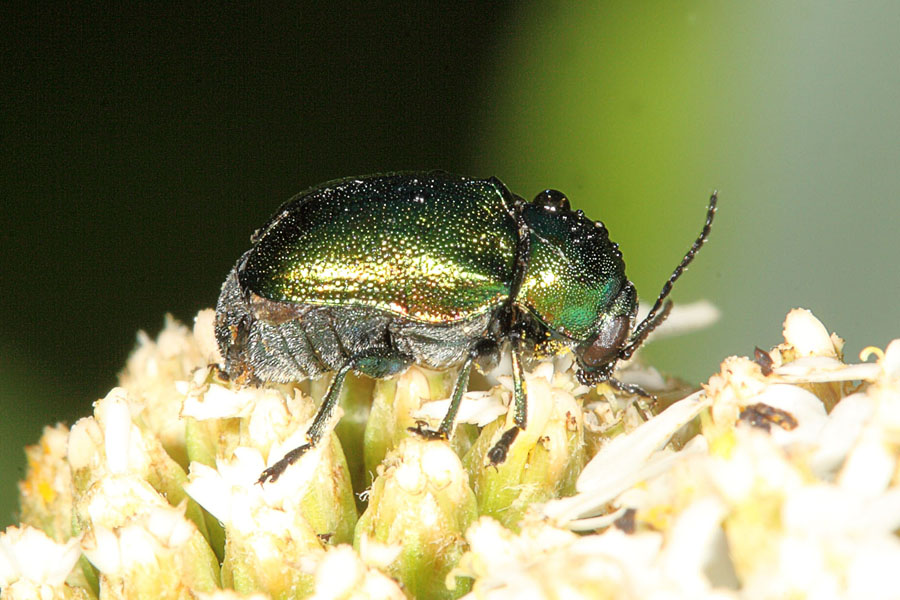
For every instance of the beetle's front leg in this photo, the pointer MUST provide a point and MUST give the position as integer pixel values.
(629, 388)
(642, 396)
(498, 453)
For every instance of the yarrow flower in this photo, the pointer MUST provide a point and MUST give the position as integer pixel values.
(32, 565)
(778, 478)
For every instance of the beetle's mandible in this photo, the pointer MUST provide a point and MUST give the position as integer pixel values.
(376, 273)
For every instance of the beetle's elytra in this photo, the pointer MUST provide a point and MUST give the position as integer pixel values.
(376, 273)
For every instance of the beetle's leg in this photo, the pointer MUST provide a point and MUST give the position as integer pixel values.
(314, 433)
(462, 382)
(520, 393)
(635, 390)
(498, 453)
(446, 426)
(629, 388)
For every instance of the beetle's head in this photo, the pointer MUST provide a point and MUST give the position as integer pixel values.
(575, 284)
(614, 336)
(599, 351)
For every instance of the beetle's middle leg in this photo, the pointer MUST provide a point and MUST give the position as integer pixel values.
(484, 349)
(498, 453)
(446, 426)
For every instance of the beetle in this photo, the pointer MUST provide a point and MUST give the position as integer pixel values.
(373, 274)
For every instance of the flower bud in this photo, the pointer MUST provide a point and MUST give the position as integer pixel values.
(45, 495)
(393, 404)
(421, 504)
(543, 461)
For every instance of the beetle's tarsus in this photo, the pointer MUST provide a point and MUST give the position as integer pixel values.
(424, 432)
(497, 454)
(274, 472)
(629, 388)
(643, 407)
(218, 372)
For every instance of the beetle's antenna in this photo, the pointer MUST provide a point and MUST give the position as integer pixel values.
(653, 320)
(634, 341)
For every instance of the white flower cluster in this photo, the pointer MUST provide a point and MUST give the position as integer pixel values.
(776, 498)
(779, 479)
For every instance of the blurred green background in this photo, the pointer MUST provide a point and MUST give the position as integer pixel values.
(139, 150)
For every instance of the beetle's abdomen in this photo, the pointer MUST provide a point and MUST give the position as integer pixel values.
(432, 248)
(267, 340)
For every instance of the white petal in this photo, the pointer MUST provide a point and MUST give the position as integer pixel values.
(137, 546)
(807, 334)
(684, 318)
(822, 369)
(477, 408)
(85, 443)
(545, 370)
(169, 526)
(232, 483)
(205, 335)
(628, 460)
(881, 513)
(626, 453)
(103, 550)
(840, 433)
(338, 574)
(872, 574)
(219, 402)
(114, 500)
(801, 404)
(691, 541)
(891, 361)
(29, 554)
(210, 491)
(870, 466)
(115, 416)
(378, 554)
(647, 377)
(812, 509)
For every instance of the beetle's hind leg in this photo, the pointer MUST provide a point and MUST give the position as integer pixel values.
(497, 454)
(314, 433)
(374, 363)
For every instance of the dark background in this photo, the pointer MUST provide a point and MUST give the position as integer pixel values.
(139, 149)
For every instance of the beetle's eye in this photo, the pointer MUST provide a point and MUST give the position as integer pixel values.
(552, 199)
(606, 346)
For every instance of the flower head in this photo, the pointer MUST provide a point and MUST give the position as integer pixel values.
(779, 478)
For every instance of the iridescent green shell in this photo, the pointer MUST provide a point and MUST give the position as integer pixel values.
(431, 247)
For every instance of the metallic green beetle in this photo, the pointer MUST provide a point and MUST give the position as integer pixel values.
(376, 273)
